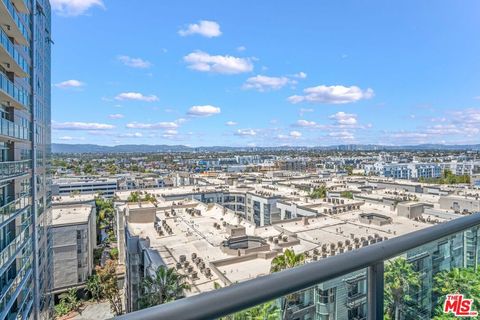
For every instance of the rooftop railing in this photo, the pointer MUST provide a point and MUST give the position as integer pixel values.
(419, 248)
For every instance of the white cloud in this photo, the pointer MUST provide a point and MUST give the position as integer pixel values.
(70, 84)
(170, 133)
(264, 83)
(132, 135)
(209, 29)
(158, 125)
(81, 126)
(74, 7)
(344, 119)
(65, 138)
(302, 111)
(332, 95)
(116, 116)
(305, 123)
(203, 111)
(245, 132)
(231, 123)
(241, 49)
(300, 75)
(295, 134)
(204, 62)
(134, 62)
(136, 96)
(342, 135)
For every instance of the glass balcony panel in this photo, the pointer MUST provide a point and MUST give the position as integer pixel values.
(417, 282)
(343, 297)
(7, 128)
(19, 97)
(14, 207)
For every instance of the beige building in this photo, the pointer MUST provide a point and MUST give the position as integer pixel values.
(74, 238)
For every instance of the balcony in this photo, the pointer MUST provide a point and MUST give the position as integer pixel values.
(11, 130)
(12, 60)
(13, 24)
(13, 95)
(371, 260)
(13, 208)
(14, 247)
(12, 169)
(21, 5)
(11, 291)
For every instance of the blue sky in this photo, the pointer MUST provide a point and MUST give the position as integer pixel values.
(265, 73)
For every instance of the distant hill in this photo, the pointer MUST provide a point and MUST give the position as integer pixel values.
(145, 148)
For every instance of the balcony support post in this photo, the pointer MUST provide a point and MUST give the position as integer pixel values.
(375, 288)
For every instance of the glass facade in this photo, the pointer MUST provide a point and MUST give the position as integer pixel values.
(25, 215)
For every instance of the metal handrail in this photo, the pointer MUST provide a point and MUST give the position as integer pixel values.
(237, 297)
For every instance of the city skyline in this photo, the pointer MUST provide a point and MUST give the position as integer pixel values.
(387, 74)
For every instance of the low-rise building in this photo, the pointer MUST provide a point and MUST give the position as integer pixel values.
(66, 186)
(74, 238)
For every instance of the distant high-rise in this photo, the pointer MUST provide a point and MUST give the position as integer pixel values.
(25, 197)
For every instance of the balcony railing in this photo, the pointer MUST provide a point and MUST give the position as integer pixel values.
(9, 169)
(238, 297)
(12, 130)
(13, 288)
(13, 247)
(13, 208)
(7, 44)
(18, 97)
(18, 22)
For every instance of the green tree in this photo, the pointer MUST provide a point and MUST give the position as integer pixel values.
(134, 197)
(346, 194)
(164, 286)
(114, 253)
(68, 303)
(94, 287)
(264, 311)
(107, 277)
(318, 193)
(400, 281)
(458, 280)
(287, 260)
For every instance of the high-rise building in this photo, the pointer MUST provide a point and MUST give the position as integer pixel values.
(25, 197)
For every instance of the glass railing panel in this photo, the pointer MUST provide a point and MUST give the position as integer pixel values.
(10, 48)
(9, 289)
(18, 94)
(344, 297)
(417, 282)
(12, 248)
(16, 18)
(13, 168)
(14, 207)
(8, 128)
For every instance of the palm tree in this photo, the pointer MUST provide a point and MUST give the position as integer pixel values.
(400, 279)
(287, 260)
(164, 286)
